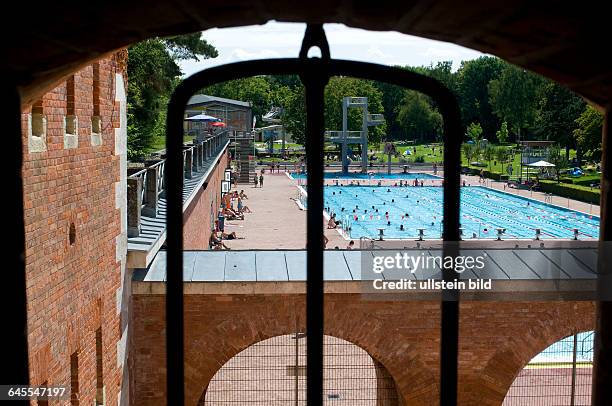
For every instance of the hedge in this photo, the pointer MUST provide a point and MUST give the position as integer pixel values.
(577, 192)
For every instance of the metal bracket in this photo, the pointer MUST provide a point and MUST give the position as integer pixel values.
(315, 37)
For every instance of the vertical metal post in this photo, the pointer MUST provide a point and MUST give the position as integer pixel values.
(315, 78)
(174, 173)
(364, 137)
(297, 368)
(575, 350)
(449, 329)
(344, 146)
(602, 363)
(15, 347)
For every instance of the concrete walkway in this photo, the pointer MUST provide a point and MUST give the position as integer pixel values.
(276, 221)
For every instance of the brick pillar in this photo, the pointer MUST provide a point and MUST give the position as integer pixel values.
(151, 193)
(134, 201)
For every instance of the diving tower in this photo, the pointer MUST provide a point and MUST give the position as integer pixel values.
(360, 137)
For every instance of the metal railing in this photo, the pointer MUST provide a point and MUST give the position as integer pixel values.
(146, 186)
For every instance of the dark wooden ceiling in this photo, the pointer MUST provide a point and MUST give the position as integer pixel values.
(569, 42)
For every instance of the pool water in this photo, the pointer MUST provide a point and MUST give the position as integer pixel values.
(374, 175)
(563, 350)
(483, 210)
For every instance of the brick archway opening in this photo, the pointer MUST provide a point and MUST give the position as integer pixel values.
(273, 372)
(560, 374)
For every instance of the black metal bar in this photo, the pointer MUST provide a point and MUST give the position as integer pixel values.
(574, 354)
(15, 339)
(602, 362)
(314, 78)
(173, 174)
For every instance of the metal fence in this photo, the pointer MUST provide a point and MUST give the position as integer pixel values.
(273, 372)
(561, 375)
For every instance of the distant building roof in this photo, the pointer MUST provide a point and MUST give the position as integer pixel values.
(204, 98)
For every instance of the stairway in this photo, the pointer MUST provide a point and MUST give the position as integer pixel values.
(246, 158)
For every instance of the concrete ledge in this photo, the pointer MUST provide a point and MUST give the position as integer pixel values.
(505, 290)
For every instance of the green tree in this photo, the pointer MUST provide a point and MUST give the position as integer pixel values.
(340, 87)
(514, 97)
(418, 117)
(558, 159)
(559, 108)
(153, 73)
(469, 151)
(589, 132)
(294, 115)
(488, 153)
(474, 132)
(473, 79)
(392, 97)
(260, 91)
(502, 155)
(502, 133)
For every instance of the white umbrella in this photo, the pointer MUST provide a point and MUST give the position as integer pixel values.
(203, 117)
(541, 164)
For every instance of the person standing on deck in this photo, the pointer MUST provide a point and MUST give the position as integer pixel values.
(261, 179)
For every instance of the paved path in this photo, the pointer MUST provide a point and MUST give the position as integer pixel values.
(276, 221)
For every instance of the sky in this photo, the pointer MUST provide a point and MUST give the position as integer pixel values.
(283, 40)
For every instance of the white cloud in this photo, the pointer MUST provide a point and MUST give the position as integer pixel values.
(283, 40)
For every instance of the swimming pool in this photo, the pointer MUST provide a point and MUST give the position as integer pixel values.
(367, 208)
(374, 175)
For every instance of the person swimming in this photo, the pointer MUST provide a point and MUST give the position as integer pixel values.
(401, 227)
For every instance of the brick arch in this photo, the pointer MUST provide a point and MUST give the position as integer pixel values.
(380, 369)
(556, 321)
(222, 334)
(376, 327)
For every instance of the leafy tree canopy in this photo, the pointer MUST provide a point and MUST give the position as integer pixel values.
(153, 73)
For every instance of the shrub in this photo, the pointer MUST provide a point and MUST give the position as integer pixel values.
(577, 192)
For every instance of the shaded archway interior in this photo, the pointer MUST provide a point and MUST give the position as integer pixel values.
(274, 371)
(560, 41)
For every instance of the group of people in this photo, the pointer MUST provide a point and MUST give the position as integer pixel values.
(272, 167)
(236, 212)
(259, 179)
(228, 211)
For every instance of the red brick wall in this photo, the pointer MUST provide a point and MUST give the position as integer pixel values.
(71, 289)
(197, 217)
(496, 339)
